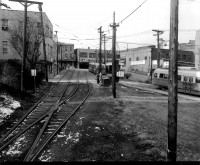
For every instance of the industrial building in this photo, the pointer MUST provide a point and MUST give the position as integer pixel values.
(142, 59)
(85, 56)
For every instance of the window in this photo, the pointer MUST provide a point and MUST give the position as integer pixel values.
(179, 77)
(137, 59)
(5, 47)
(167, 56)
(179, 56)
(198, 80)
(161, 75)
(129, 59)
(83, 54)
(190, 79)
(92, 55)
(38, 24)
(189, 56)
(185, 79)
(184, 56)
(145, 57)
(70, 48)
(5, 24)
(165, 76)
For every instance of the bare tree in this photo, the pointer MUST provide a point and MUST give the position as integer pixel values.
(34, 40)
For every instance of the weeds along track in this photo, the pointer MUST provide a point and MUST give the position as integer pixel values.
(47, 118)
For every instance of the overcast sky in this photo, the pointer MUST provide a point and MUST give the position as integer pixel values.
(80, 19)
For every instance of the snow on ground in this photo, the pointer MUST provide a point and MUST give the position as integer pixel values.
(7, 106)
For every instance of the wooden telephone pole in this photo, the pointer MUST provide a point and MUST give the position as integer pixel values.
(158, 45)
(173, 83)
(24, 37)
(105, 39)
(100, 31)
(114, 25)
(44, 45)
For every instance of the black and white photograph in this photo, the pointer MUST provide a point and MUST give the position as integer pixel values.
(100, 81)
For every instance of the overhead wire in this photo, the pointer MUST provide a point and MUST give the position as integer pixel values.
(132, 12)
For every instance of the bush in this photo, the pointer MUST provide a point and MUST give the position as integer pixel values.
(10, 74)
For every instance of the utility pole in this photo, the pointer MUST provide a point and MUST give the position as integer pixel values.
(61, 56)
(114, 25)
(158, 45)
(104, 35)
(57, 51)
(100, 31)
(24, 37)
(173, 83)
(44, 44)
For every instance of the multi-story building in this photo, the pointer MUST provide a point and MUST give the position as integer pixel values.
(66, 56)
(143, 58)
(85, 56)
(10, 19)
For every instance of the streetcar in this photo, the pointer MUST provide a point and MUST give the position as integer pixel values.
(105, 68)
(188, 80)
(94, 68)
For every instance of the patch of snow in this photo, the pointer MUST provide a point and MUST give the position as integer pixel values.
(97, 129)
(15, 149)
(7, 106)
(44, 158)
(74, 137)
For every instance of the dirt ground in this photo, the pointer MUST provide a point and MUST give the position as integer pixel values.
(132, 127)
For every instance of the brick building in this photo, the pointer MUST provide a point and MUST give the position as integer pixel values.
(66, 56)
(10, 19)
(85, 56)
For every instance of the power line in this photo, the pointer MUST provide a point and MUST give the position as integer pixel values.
(134, 43)
(132, 12)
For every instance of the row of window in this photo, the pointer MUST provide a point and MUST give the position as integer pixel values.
(84, 55)
(167, 56)
(5, 48)
(65, 48)
(49, 32)
(180, 78)
(137, 58)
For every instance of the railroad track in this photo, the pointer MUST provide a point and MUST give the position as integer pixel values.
(53, 117)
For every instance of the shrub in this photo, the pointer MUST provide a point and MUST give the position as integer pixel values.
(10, 74)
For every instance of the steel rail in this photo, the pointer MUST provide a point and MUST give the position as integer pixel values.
(61, 125)
(31, 125)
(29, 111)
(36, 141)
